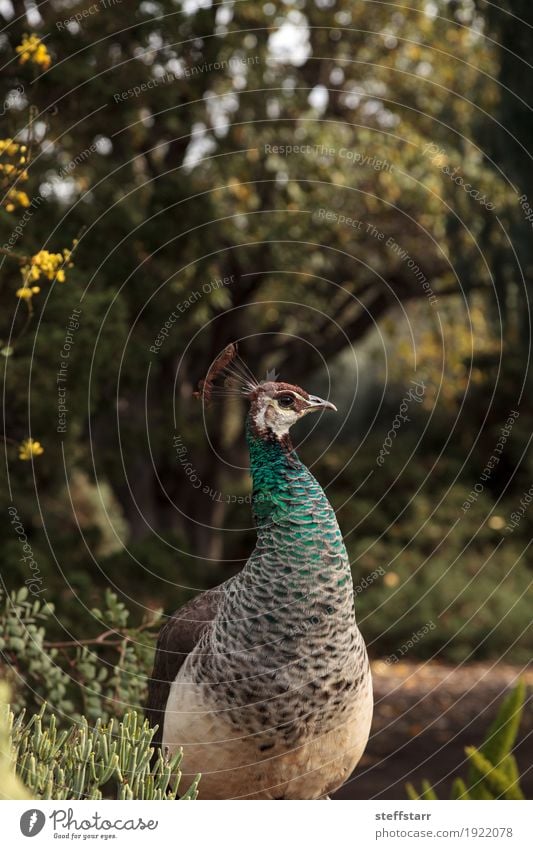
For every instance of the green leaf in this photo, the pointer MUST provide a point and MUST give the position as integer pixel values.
(510, 768)
(459, 789)
(496, 779)
(500, 739)
(493, 772)
(427, 790)
(83, 762)
(503, 732)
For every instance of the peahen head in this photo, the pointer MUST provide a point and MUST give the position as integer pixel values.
(275, 407)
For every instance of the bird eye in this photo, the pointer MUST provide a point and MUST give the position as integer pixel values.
(285, 401)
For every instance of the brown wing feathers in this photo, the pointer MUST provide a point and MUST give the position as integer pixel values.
(176, 640)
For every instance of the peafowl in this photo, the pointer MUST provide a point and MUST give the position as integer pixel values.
(264, 681)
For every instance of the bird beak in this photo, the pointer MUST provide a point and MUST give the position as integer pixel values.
(316, 403)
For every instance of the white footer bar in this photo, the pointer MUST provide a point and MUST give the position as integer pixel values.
(257, 825)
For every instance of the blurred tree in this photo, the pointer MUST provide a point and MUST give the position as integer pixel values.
(511, 143)
(165, 139)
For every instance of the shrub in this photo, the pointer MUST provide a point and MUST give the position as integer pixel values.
(100, 677)
(110, 760)
(493, 772)
(457, 568)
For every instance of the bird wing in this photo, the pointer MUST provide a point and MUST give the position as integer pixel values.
(176, 640)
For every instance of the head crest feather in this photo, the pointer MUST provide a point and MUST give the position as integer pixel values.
(239, 379)
(205, 386)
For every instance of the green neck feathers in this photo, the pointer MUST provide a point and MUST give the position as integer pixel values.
(295, 521)
(274, 466)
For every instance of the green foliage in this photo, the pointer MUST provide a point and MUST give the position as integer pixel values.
(440, 563)
(91, 746)
(427, 791)
(493, 771)
(459, 790)
(11, 787)
(110, 760)
(99, 679)
(493, 766)
(493, 782)
(33, 670)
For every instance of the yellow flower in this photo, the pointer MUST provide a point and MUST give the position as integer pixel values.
(33, 50)
(27, 292)
(10, 147)
(16, 198)
(24, 292)
(46, 264)
(30, 448)
(11, 173)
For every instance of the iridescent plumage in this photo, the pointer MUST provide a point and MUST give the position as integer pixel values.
(265, 681)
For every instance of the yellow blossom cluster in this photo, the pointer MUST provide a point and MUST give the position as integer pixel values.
(33, 50)
(16, 198)
(11, 148)
(30, 448)
(46, 264)
(27, 292)
(11, 172)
